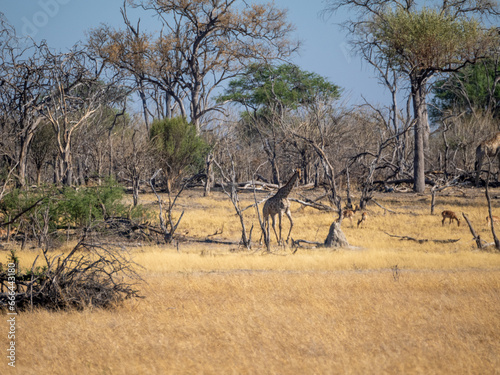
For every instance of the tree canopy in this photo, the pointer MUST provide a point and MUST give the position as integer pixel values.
(202, 44)
(430, 40)
(287, 84)
(473, 88)
(177, 146)
(420, 42)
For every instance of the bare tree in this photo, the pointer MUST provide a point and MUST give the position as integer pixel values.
(167, 222)
(335, 236)
(23, 88)
(229, 186)
(134, 160)
(202, 45)
(77, 93)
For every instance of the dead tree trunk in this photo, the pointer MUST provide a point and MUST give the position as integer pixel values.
(477, 238)
(235, 200)
(495, 238)
(209, 172)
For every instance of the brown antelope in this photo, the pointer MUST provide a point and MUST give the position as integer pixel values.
(364, 217)
(349, 214)
(451, 216)
(496, 219)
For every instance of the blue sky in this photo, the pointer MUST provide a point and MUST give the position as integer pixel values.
(324, 49)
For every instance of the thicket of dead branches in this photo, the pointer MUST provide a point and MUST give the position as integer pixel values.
(92, 274)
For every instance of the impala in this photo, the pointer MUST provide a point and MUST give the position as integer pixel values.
(364, 217)
(451, 216)
(349, 214)
(496, 219)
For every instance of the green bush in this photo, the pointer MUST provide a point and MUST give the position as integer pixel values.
(67, 207)
(83, 206)
(178, 146)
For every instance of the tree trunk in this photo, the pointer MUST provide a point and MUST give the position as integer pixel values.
(144, 104)
(209, 173)
(23, 157)
(67, 172)
(135, 188)
(421, 125)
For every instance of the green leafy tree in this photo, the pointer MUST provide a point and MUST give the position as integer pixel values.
(64, 207)
(473, 88)
(268, 93)
(178, 146)
(84, 206)
(286, 85)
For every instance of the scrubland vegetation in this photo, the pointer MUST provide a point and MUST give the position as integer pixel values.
(219, 105)
(384, 305)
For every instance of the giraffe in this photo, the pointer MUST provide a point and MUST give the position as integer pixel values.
(279, 204)
(490, 148)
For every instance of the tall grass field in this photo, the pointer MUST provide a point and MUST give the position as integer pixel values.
(402, 299)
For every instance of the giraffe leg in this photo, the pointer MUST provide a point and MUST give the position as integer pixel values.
(274, 228)
(280, 220)
(268, 234)
(267, 229)
(266, 223)
(289, 214)
(479, 162)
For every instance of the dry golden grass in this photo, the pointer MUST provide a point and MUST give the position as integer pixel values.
(279, 322)
(218, 309)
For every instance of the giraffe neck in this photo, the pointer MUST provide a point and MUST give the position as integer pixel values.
(284, 191)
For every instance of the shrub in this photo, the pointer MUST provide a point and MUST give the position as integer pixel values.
(83, 206)
(41, 212)
(178, 146)
(91, 275)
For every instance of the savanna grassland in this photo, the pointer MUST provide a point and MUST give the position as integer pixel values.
(384, 305)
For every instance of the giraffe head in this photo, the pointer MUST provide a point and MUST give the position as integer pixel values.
(299, 172)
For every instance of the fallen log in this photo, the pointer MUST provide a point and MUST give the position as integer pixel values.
(384, 208)
(315, 205)
(422, 240)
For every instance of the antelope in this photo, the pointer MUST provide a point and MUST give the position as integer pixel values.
(364, 217)
(348, 214)
(496, 219)
(451, 216)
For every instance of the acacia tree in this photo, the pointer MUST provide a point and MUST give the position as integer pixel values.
(420, 42)
(202, 44)
(268, 93)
